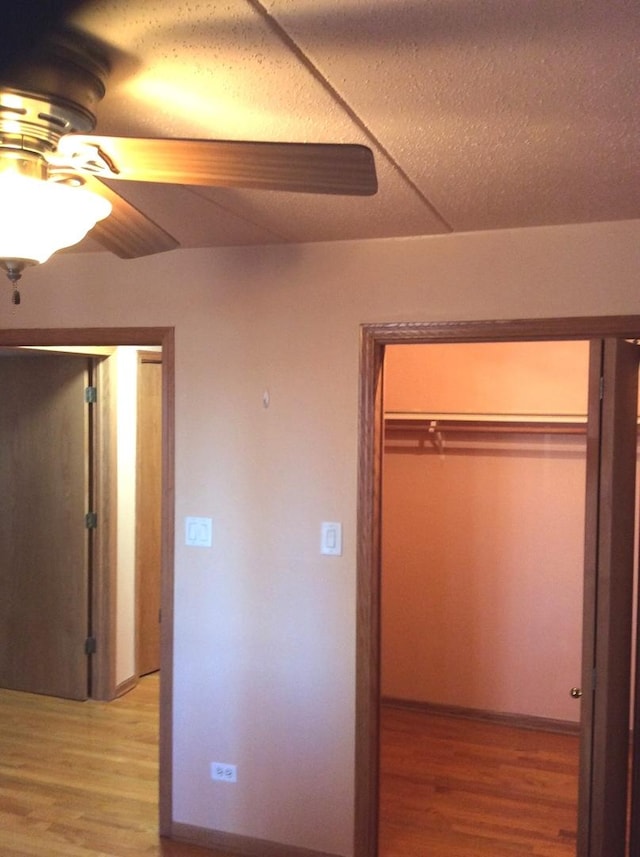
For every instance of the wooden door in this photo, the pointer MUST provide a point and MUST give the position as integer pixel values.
(148, 512)
(608, 595)
(44, 552)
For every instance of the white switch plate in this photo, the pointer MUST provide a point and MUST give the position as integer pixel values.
(331, 538)
(197, 532)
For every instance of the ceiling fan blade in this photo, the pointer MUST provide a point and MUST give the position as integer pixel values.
(305, 167)
(127, 232)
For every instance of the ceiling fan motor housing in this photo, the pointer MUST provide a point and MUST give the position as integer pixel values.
(53, 92)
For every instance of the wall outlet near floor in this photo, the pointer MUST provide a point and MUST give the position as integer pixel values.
(223, 772)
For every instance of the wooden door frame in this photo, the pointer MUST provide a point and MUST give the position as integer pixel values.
(144, 357)
(104, 564)
(610, 513)
(373, 340)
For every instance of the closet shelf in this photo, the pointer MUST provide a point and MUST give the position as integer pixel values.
(468, 422)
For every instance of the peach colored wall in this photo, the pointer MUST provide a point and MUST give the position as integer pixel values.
(483, 544)
(264, 625)
(507, 377)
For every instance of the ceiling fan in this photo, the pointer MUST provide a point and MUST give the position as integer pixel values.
(52, 165)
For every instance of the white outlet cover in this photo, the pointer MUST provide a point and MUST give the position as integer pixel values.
(223, 772)
(198, 532)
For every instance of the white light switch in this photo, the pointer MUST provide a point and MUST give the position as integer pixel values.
(331, 538)
(197, 532)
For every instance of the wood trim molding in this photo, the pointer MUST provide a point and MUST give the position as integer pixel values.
(84, 336)
(105, 546)
(243, 846)
(520, 721)
(126, 685)
(167, 601)
(371, 434)
(373, 339)
(149, 356)
(509, 330)
(148, 491)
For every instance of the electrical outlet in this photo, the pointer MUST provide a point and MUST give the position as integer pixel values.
(223, 772)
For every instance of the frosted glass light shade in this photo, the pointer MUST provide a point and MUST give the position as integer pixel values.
(38, 217)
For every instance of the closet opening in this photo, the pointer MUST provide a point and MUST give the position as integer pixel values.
(482, 555)
(481, 603)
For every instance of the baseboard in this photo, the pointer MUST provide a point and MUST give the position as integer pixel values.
(520, 721)
(126, 685)
(243, 846)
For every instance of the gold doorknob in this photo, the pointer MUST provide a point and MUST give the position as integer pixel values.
(576, 692)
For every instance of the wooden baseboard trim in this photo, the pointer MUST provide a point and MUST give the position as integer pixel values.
(519, 721)
(126, 685)
(243, 846)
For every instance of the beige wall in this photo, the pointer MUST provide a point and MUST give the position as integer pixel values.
(265, 626)
(482, 537)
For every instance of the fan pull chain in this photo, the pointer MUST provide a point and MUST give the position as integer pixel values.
(13, 269)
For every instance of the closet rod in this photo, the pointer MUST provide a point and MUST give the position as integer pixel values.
(501, 423)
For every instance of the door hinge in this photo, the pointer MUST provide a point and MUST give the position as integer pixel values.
(90, 646)
(91, 520)
(91, 395)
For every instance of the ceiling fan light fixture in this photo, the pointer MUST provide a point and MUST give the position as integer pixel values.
(39, 217)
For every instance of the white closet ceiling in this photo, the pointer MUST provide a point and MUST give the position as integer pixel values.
(480, 115)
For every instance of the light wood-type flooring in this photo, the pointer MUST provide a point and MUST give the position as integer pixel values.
(79, 779)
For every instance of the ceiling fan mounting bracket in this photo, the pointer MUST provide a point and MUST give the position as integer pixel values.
(83, 157)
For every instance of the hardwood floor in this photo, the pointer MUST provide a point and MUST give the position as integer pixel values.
(80, 779)
(454, 787)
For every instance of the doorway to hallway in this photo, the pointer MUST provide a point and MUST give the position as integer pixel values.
(105, 581)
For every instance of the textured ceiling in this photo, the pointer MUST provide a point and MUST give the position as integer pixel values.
(481, 115)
